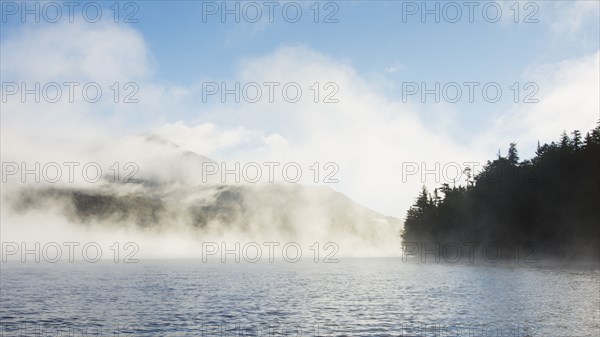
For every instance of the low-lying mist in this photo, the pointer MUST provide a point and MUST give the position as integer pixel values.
(169, 212)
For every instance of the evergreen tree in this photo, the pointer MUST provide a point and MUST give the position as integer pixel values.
(551, 200)
(564, 140)
(513, 156)
(576, 139)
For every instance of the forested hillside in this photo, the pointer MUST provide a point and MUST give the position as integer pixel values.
(551, 200)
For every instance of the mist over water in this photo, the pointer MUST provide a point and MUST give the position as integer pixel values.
(299, 168)
(169, 212)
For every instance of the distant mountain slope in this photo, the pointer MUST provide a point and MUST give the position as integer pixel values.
(286, 209)
(169, 201)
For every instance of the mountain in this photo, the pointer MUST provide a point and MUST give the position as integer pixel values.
(160, 202)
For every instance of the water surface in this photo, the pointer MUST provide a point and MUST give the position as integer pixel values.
(355, 297)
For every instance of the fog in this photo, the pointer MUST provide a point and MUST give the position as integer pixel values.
(151, 192)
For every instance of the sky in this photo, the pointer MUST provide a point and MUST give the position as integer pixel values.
(371, 60)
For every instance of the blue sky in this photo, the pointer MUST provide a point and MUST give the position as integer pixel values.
(370, 52)
(370, 35)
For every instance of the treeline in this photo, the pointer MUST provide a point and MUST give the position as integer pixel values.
(551, 201)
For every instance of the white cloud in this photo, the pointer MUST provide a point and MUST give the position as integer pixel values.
(568, 100)
(571, 17)
(368, 134)
(393, 69)
(76, 52)
(205, 138)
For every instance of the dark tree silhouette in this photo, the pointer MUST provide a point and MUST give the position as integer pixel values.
(513, 156)
(551, 200)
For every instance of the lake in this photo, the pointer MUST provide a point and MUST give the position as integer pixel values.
(354, 297)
